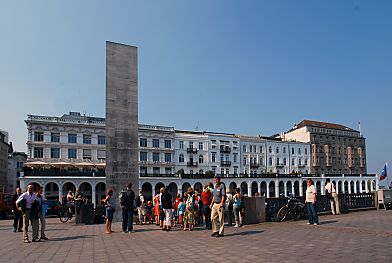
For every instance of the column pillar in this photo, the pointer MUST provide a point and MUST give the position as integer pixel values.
(301, 188)
(355, 187)
(342, 187)
(366, 186)
(93, 197)
(322, 185)
(293, 189)
(249, 189)
(60, 192)
(285, 188)
(268, 189)
(276, 188)
(259, 187)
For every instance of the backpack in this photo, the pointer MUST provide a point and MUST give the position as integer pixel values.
(123, 198)
(138, 201)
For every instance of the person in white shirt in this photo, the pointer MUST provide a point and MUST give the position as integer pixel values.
(333, 197)
(30, 202)
(311, 203)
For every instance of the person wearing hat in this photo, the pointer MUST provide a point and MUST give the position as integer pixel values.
(217, 208)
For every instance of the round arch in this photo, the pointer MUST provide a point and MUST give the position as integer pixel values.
(198, 187)
(289, 187)
(185, 187)
(100, 192)
(304, 186)
(158, 187)
(358, 186)
(363, 186)
(352, 187)
(244, 188)
(173, 189)
(255, 188)
(340, 187)
(281, 188)
(263, 187)
(318, 187)
(232, 186)
(147, 191)
(85, 189)
(52, 190)
(296, 188)
(271, 189)
(346, 187)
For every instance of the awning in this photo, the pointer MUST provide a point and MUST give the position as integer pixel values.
(36, 164)
(83, 164)
(61, 164)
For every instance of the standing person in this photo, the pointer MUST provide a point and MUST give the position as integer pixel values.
(229, 207)
(161, 213)
(25, 203)
(70, 201)
(237, 206)
(127, 199)
(18, 217)
(206, 198)
(167, 205)
(141, 208)
(109, 208)
(42, 212)
(311, 203)
(189, 218)
(333, 197)
(156, 209)
(176, 203)
(217, 208)
(181, 212)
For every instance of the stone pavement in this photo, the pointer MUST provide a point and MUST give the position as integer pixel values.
(355, 237)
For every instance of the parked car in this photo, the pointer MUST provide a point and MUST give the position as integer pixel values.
(6, 205)
(53, 207)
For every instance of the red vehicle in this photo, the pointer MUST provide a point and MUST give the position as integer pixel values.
(6, 205)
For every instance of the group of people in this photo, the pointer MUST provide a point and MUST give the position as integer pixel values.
(187, 211)
(30, 207)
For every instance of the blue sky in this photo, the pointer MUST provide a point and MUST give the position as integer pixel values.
(249, 67)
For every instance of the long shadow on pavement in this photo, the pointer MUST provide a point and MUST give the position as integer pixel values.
(71, 238)
(328, 222)
(244, 233)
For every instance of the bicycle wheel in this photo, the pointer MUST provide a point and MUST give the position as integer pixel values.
(282, 214)
(64, 216)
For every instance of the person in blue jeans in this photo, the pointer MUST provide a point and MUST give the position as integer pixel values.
(311, 203)
(127, 200)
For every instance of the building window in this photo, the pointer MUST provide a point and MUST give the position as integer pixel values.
(55, 137)
(155, 157)
(55, 153)
(270, 161)
(143, 156)
(244, 148)
(227, 171)
(38, 152)
(156, 170)
(168, 170)
(299, 150)
(213, 157)
(277, 161)
(261, 161)
(270, 149)
(261, 149)
(86, 139)
(284, 161)
(306, 150)
(244, 161)
(155, 143)
(38, 136)
(292, 161)
(87, 154)
(235, 158)
(168, 157)
(200, 146)
(101, 139)
(101, 154)
(201, 171)
(299, 161)
(235, 170)
(181, 158)
(181, 144)
(143, 170)
(284, 149)
(213, 144)
(201, 159)
(277, 149)
(143, 142)
(222, 171)
(214, 169)
(72, 154)
(72, 138)
(167, 144)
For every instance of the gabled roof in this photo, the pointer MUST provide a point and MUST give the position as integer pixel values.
(325, 125)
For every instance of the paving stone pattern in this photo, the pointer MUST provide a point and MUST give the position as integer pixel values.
(354, 237)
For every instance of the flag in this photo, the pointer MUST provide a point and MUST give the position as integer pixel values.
(383, 174)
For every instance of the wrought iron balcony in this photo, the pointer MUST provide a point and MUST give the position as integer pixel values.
(225, 149)
(191, 150)
(225, 163)
(191, 164)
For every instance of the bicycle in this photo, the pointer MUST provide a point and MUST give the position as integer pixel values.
(65, 214)
(293, 210)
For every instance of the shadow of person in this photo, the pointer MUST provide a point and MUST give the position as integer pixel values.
(244, 233)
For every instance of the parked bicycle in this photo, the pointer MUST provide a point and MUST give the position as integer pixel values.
(293, 210)
(65, 213)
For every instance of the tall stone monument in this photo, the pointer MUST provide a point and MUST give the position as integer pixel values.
(121, 120)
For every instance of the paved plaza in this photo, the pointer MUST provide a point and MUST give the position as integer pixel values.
(355, 237)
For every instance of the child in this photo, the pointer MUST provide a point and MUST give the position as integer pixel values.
(149, 208)
(181, 211)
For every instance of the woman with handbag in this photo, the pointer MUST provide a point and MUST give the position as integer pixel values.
(109, 207)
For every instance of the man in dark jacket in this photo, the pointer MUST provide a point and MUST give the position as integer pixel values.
(127, 209)
(18, 218)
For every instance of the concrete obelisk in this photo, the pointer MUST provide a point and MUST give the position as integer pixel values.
(121, 120)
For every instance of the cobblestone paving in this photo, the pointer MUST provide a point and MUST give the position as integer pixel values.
(354, 237)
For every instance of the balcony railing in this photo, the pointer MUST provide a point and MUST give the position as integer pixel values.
(191, 164)
(191, 150)
(254, 166)
(64, 173)
(280, 165)
(225, 149)
(225, 163)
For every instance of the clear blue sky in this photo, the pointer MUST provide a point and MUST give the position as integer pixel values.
(249, 67)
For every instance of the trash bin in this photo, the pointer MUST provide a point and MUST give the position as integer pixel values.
(86, 215)
(254, 210)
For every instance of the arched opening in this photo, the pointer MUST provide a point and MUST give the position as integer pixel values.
(363, 187)
(304, 186)
(352, 188)
(369, 184)
(244, 188)
(289, 187)
(67, 187)
(86, 191)
(263, 187)
(147, 191)
(254, 188)
(358, 186)
(281, 188)
(271, 188)
(158, 187)
(318, 187)
(173, 190)
(198, 187)
(374, 185)
(35, 185)
(346, 186)
(340, 187)
(185, 187)
(100, 192)
(296, 188)
(51, 191)
(232, 186)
